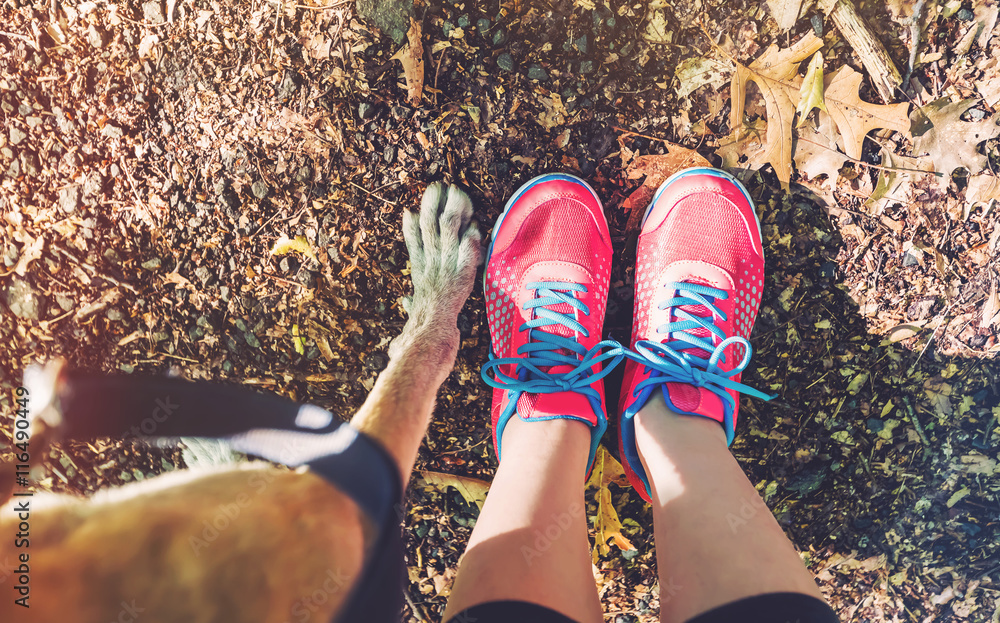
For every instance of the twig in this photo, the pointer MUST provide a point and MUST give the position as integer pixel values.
(335, 5)
(368, 192)
(869, 49)
(25, 38)
(914, 39)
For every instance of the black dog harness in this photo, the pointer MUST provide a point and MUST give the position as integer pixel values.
(272, 428)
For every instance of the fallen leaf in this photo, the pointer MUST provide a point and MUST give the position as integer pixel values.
(982, 188)
(607, 525)
(774, 72)
(555, 112)
(299, 244)
(411, 57)
(697, 71)
(656, 168)
(897, 178)
(147, 44)
(816, 150)
(785, 12)
(958, 496)
(31, 252)
(856, 118)
(938, 130)
(472, 489)
(811, 91)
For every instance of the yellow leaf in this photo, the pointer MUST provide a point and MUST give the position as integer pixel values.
(607, 525)
(811, 92)
(299, 244)
(472, 489)
(957, 496)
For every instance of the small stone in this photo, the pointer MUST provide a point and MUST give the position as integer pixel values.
(464, 21)
(259, 189)
(152, 11)
(16, 136)
(29, 164)
(610, 22)
(482, 25)
(94, 37)
(965, 15)
(152, 264)
(203, 274)
(389, 154)
(303, 174)
(581, 44)
(447, 28)
(115, 171)
(24, 109)
(499, 36)
(910, 260)
(65, 302)
(113, 315)
(505, 62)
(365, 110)
(535, 72)
(112, 256)
(586, 67)
(69, 198)
(23, 301)
(376, 362)
(111, 131)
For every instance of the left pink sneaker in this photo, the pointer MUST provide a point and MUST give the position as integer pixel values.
(546, 287)
(699, 279)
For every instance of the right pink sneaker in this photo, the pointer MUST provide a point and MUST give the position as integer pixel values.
(699, 277)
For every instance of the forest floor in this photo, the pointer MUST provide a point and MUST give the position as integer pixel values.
(152, 154)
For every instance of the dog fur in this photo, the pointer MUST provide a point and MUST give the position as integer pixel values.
(251, 542)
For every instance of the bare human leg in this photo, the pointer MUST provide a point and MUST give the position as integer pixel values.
(716, 540)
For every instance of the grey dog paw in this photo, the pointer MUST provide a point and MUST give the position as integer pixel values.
(444, 246)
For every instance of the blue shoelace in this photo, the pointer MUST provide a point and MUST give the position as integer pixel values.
(675, 366)
(545, 350)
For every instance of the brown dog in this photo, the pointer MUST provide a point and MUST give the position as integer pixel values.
(248, 542)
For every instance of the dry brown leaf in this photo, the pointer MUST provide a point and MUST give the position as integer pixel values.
(411, 57)
(656, 168)
(785, 12)
(816, 150)
(472, 489)
(856, 118)
(31, 252)
(774, 72)
(982, 188)
(952, 143)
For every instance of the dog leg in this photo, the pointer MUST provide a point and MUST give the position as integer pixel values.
(253, 543)
(444, 246)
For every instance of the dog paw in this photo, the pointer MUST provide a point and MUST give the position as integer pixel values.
(444, 246)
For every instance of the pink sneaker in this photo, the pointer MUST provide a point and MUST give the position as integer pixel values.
(546, 287)
(699, 277)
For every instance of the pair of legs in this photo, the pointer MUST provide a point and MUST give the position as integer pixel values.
(710, 549)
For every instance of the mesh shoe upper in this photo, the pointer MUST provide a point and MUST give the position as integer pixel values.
(699, 280)
(546, 287)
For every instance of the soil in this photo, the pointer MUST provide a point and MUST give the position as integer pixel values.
(149, 166)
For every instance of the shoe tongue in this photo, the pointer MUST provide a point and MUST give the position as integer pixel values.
(559, 405)
(695, 310)
(698, 400)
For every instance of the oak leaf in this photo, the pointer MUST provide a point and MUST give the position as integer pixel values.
(856, 118)
(785, 12)
(811, 91)
(952, 143)
(774, 73)
(411, 57)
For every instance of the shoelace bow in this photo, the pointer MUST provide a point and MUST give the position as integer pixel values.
(545, 350)
(673, 363)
